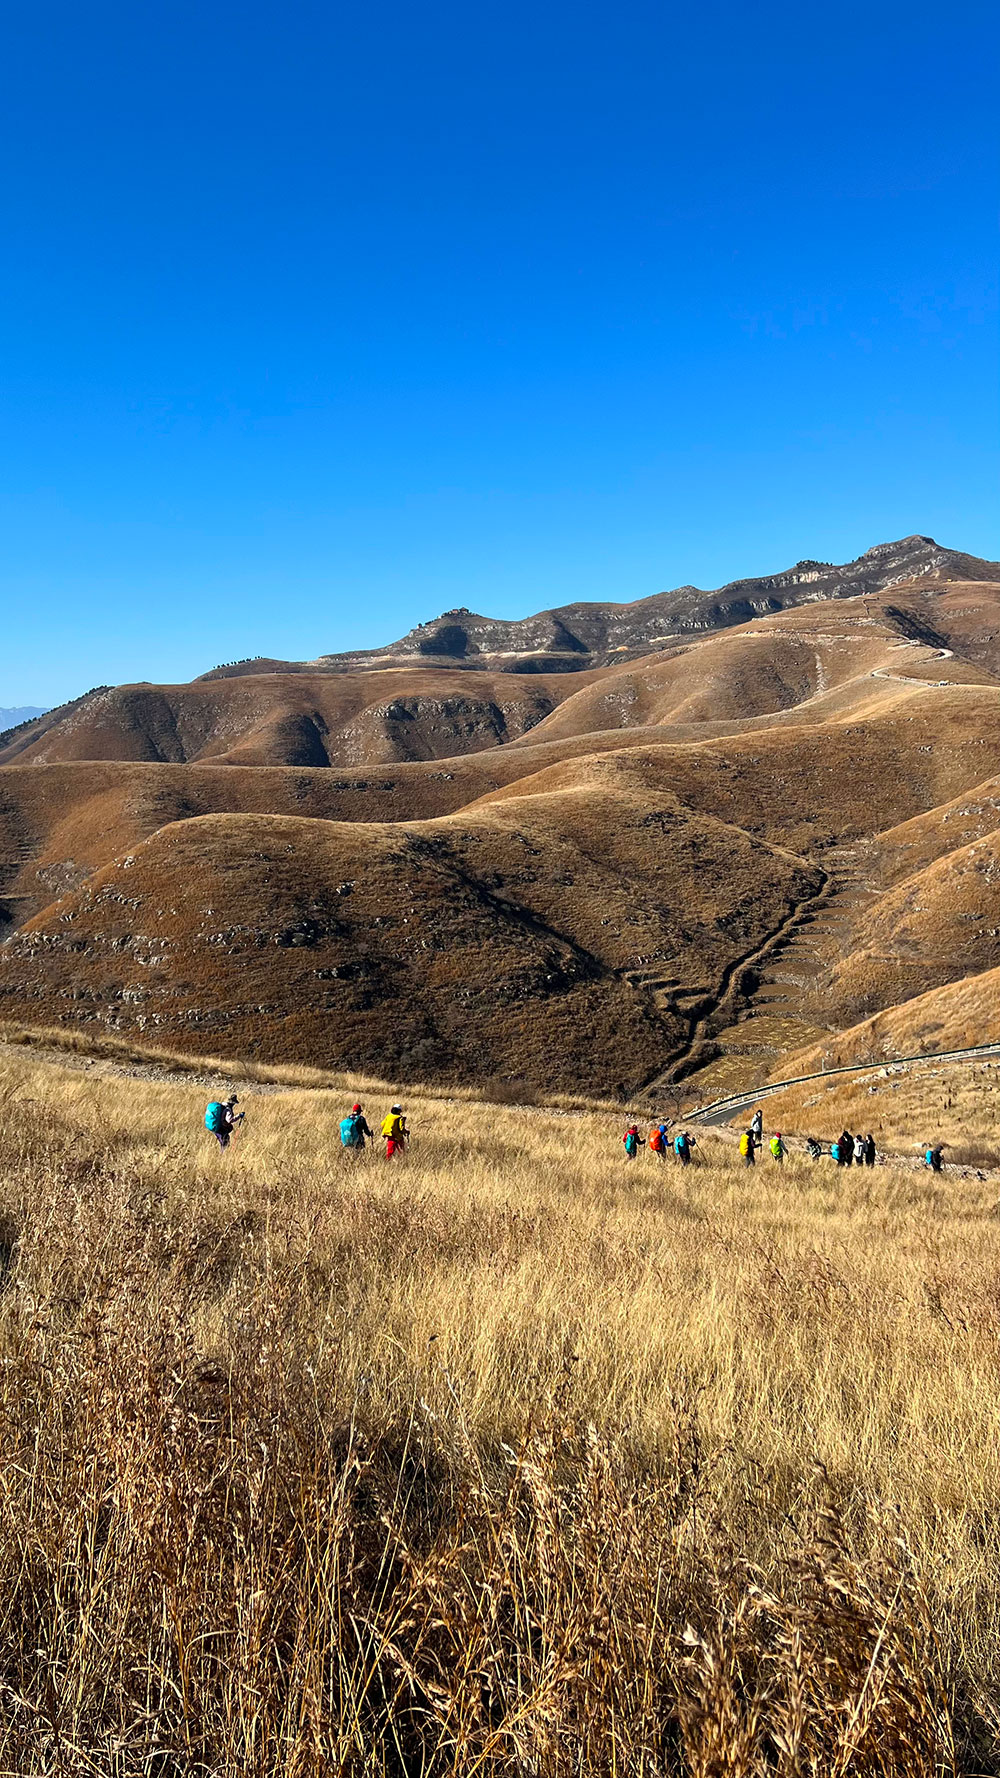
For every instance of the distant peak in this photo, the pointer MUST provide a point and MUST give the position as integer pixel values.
(902, 543)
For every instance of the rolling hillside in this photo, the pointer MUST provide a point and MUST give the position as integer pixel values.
(505, 933)
(692, 861)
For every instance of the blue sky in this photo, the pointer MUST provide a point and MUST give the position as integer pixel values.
(317, 320)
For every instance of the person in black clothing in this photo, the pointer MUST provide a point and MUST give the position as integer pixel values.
(869, 1150)
(846, 1148)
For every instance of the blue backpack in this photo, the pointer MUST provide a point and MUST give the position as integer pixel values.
(350, 1135)
(215, 1117)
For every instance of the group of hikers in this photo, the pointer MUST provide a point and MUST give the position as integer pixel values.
(659, 1143)
(846, 1150)
(222, 1117)
(355, 1130)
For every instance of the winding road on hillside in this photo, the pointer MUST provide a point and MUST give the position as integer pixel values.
(722, 1111)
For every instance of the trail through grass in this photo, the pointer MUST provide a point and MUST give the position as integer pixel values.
(509, 1458)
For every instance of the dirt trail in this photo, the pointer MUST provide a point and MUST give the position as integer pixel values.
(711, 1008)
(104, 1067)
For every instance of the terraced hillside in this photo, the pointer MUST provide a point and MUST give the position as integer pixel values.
(689, 863)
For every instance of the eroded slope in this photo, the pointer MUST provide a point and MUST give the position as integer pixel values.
(496, 941)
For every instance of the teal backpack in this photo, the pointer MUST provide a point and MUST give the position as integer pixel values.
(349, 1133)
(215, 1117)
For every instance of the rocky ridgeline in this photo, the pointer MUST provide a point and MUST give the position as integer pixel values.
(575, 637)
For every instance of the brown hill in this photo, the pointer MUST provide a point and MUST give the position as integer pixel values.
(444, 947)
(852, 656)
(937, 926)
(297, 719)
(702, 859)
(961, 1014)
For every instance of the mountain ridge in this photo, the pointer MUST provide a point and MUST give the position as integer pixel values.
(593, 633)
(721, 847)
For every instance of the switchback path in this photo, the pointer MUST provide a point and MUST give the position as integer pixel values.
(722, 1005)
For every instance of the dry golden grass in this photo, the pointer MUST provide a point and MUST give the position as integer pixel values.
(510, 1458)
(955, 1104)
(959, 1015)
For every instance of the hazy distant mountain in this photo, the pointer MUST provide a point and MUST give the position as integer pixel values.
(20, 713)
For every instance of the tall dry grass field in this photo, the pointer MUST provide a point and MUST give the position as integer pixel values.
(510, 1458)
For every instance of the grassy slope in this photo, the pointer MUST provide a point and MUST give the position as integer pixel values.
(937, 926)
(296, 719)
(955, 1104)
(510, 1456)
(492, 942)
(955, 1016)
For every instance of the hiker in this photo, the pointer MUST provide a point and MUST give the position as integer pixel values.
(395, 1131)
(658, 1141)
(813, 1149)
(859, 1151)
(869, 1150)
(932, 1159)
(757, 1126)
(354, 1128)
(778, 1149)
(747, 1146)
(836, 1154)
(846, 1147)
(683, 1145)
(633, 1142)
(221, 1118)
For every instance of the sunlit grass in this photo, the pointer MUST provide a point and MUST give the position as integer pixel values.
(511, 1457)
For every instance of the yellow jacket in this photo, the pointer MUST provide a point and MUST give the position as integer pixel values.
(392, 1125)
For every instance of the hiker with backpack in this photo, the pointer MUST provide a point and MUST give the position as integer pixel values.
(859, 1151)
(221, 1118)
(633, 1142)
(747, 1148)
(757, 1126)
(777, 1147)
(932, 1158)
(683, 1144)
(354, 1129)
(658, 1141)
(395, 1132)
(813, 1148)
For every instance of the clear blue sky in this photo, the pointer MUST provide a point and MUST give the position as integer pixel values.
(317, 320)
